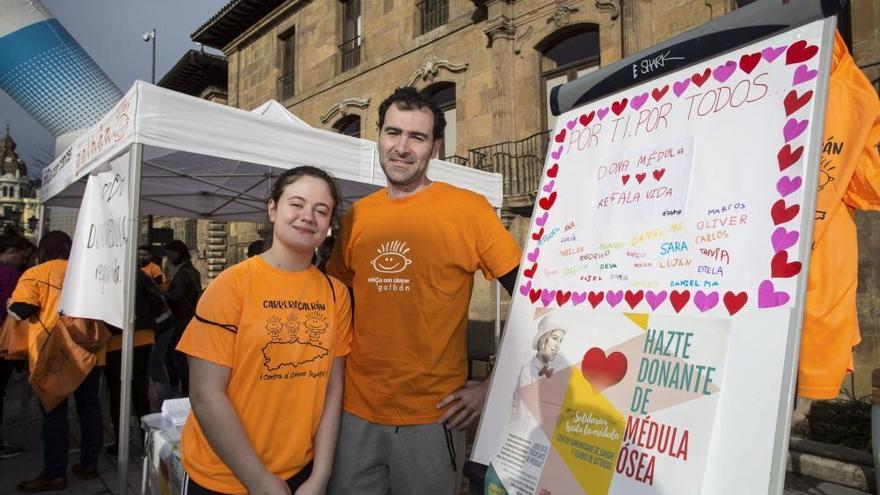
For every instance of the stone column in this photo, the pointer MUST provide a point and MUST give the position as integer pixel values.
(636, 25)
(501, 31)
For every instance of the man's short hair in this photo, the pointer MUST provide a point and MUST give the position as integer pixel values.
(144, 247)
(409, 98)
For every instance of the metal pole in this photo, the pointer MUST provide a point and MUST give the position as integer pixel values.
(153, 72)
(149, 239)
(134, 190)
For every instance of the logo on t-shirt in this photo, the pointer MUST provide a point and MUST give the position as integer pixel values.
(392, 257)
(293, 343)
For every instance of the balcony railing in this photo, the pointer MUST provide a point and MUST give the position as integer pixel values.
(285, 86)
(432, 14)
(350, 53)
(519, 162)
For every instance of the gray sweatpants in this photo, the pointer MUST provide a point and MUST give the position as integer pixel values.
(374, 459)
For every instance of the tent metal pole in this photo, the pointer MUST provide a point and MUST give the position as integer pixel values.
(129, 267)
(41, 223)
(498, 289)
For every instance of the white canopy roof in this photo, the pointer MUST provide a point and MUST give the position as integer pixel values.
(206, 160)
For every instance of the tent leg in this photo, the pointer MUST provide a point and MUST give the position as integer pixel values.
(129, 267)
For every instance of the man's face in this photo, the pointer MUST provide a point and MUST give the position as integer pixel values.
(143, 257)
(406, 145)
(172, 256)
(549, 346)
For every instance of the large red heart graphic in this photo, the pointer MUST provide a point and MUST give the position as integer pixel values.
(781, 214)
(586, 118)
(658, 173)
(699, 79)
(679, 299)
(658, 94)
(786, 157)
(552, 171)
(530, 272)
(538, 235)
(534, 295)
(619, 106)
(748, 62)
(800, 52)
(781, 268)
(562, 297)
(640, 177)
(560, 138)
(634, 298)
(547, 202)
(793, 102)
(735, 302)
(595, 298)
(601, 371)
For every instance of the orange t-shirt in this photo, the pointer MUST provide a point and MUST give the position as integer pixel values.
(155, 273)
(411, 263)
(849, 179)
(279, 333)
(40, 286)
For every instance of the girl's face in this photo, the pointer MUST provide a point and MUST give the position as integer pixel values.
(302, 214)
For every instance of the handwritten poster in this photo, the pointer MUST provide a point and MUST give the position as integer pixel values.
(97, 257)
(659, 282)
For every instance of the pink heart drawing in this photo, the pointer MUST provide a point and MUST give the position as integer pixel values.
(802, 74)
(556, 154)
(578, 297)
(655, 299)
(602, 112)
(638, 101)
(533, 256)
(770, 54)
(680, 87)
(793, 128)
(549, 186)
(782, 239)
(525, 288)
(540, 221)
(614, 297)
(571, 123)
(547, 297)
(704, 301)
(769, 297)
(724, 71)
(786, 185)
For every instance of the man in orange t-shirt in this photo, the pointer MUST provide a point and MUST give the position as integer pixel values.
(410, 252)
(152, 270)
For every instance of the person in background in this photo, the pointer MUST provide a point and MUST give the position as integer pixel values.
(182, 296)
(145, 261)
(13, 253)
(266, 379)
(36, 297)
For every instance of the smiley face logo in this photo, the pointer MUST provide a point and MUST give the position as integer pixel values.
(392, 258)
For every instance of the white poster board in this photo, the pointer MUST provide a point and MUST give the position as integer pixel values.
(678, 207)
(97, 257)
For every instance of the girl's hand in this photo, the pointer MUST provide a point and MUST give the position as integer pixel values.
(270, 485)
(312, 486)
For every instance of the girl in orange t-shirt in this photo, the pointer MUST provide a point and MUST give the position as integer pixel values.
(267, 351)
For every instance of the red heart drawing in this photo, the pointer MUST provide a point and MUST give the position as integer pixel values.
(781, 268)
(552, 171)
(547, 202)
(781, 214)
(601, 371)
(748, 62)
(624, 178)
(735, 302)
(619, 106)
(530, 272)
(787, 158)
(534, 295)
(596, 298)
(679, 299)
(640, 177)
(658, 94)
(562, 297)
(699, 79)
(634, 298)
(586, 118)
(658, 174)
(536, 236)
(560, 138)
(799, 52)
(793, 102)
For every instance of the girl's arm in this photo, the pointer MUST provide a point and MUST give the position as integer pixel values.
(222, 427)
(328, 430)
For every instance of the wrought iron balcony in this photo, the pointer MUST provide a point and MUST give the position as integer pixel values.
(519, 162)
(350, 53)
(285, 86)
(432, 14)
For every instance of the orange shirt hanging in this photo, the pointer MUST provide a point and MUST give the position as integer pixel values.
(411, 262)
(278, 332)
(849, 179)
(155, 273)
(40, 286)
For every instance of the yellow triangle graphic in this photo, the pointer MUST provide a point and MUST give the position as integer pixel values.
(640, 319)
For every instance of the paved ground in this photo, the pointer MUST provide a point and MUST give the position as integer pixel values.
(21, 426)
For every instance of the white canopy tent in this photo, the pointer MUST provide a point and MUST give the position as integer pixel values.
(192, 158)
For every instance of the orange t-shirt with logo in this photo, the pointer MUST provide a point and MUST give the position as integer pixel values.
(849, 179)
(411, 263)
(279, 332)
(40, 286)
(155, 273)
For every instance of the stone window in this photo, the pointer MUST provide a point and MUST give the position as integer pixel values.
(443, 94)
(287, 64)
(350, 125)
(5, 192)
(432, 14)
(352, 39)
(566, 54)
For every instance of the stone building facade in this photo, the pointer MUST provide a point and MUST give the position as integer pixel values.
(19, 194)
(489, 63)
